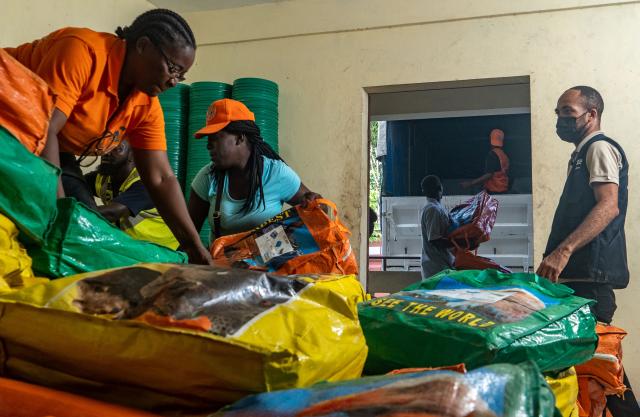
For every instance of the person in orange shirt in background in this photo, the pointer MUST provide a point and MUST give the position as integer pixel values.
(496, 177)
(105, 87)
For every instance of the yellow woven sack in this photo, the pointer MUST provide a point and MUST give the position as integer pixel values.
(182, 338)
(564, 385)
(15, 264)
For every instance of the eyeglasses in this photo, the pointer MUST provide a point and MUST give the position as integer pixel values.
(101, 145)
(174, 69)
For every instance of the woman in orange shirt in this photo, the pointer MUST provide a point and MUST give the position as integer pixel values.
(106, 88)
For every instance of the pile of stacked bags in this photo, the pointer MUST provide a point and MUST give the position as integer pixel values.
(128, 322)
(191, 340)
(182, 338)
(176, 339)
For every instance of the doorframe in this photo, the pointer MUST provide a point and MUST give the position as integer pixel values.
(364, 185)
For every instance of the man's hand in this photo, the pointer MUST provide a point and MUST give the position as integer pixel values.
(114, 211)
(554, 264)
(605, 210)
(303, 197)
(480, 180)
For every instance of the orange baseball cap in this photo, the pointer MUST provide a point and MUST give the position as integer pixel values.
(221, 113)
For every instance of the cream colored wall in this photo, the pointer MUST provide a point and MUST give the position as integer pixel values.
(26, 20)
(323, 53)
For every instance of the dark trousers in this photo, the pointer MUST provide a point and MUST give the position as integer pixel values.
(603, 310)
(73, 180)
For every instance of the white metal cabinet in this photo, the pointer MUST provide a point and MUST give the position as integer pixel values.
(511, 241)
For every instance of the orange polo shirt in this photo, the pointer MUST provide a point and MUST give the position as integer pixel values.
(83, 67)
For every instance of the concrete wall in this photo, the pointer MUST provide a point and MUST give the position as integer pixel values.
(26, 20)
(324, 53)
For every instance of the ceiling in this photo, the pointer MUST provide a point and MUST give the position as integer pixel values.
(182, 6)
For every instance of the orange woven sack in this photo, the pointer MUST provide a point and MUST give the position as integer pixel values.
(19, 399)
(460, 368)
(591, 398)
(27, 103)
(606, 364)
(467, 260)
(300, 240)
(602, 375)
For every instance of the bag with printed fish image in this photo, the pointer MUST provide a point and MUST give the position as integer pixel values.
(182, 339)
(478, 318)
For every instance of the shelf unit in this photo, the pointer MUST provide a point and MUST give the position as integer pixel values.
(511, 241)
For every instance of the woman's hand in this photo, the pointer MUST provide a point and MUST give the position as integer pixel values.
(198, 255)
(308, 197)
(163, 187)
(303, 197)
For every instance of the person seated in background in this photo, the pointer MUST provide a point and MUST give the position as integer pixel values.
(496, 177)
(246, 183)
(434, 220)
(372, 219)
(125, 200)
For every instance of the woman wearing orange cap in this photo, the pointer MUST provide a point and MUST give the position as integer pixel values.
(246, 182)
(105, 87)
(496, 178)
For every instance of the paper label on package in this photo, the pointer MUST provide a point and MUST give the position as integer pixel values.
(273, 244)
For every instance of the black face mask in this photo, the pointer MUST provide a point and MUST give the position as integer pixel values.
(567, 128)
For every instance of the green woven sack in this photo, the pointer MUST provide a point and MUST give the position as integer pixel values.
(27, 188)
(478, 318)
(81, 240)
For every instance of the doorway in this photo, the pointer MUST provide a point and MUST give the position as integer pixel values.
(443, 129)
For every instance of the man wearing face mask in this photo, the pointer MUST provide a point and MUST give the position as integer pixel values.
(586, 249)
(125, 200)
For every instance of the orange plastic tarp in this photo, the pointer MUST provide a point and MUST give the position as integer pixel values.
(460, 368)
(19, 399)
(603, 375)
(606, 364)
(26, 103)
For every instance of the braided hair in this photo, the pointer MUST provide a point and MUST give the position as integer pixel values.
(162, 26)
(259, 149)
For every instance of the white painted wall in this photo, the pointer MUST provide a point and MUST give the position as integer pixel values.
(323, 53)
(25, 20)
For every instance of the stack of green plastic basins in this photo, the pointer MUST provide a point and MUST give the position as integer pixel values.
(261, 97)
(201, 96)
(175, 106)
